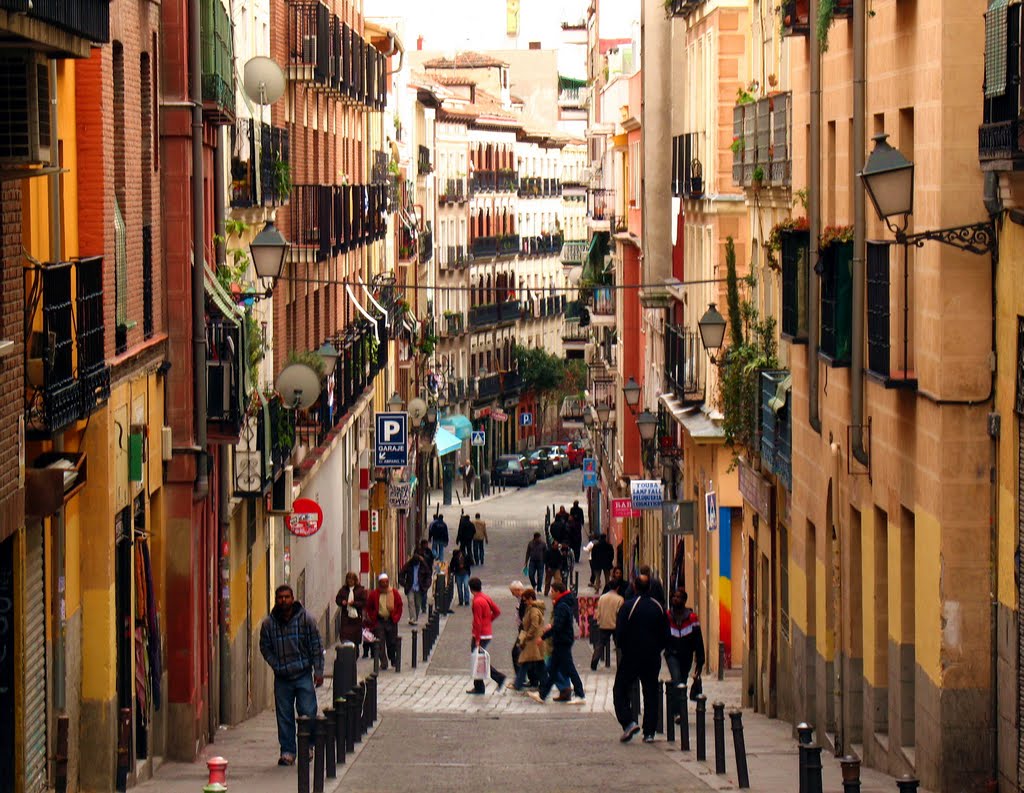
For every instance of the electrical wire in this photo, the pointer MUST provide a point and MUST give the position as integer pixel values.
(509, 287)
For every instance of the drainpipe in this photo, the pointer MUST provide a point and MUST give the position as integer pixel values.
(60, 555)
(814, 221)
(223, 572)
(219, 199)
(859, 238)
(202, 484)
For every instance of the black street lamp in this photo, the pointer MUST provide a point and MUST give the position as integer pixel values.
(631, 393)
(647, 423)
(396, 404)
(268, 250)
(604, 411)
(329, 355)
(712, 330)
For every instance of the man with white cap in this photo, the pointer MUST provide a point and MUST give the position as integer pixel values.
(383, 614)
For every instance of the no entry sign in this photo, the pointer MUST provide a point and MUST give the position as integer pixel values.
(306, 518)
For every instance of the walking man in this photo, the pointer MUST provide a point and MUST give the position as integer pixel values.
(602, 557)
(561, 669)
(485, 611)
(577, 512)
(479, 539)
(685, 640)
(607, 613)
(464, 536)
(290, 643)
(383, 615)
(535, 551)
(415, 578)
(640, 633)
(438, 534)
(553, 561)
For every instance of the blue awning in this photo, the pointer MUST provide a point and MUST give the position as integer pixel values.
(445, 442)
(457, 424)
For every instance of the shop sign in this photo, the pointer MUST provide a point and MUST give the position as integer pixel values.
(499, 415)
(623, 508)
(306, 518)
(646, 493)
(756, 490)
(400, 495)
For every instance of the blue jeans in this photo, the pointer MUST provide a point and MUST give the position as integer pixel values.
(289, 696)
(437, 548)
(418, 601)
(462, 583)
(562, 673)
(536, 574)
(524, 670)
(478, 551)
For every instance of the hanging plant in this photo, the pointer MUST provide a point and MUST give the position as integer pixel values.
(737, 144)
(833, 235)
(826, 12)
(774, 244)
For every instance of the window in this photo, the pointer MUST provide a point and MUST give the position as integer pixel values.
(795, 254)
(878, 307)
(836, 301)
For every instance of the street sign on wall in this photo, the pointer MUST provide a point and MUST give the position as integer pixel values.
(392, 440)
(623, 508)
(400, 495)
(590, 478)
(306, 518)
(646, 493)
(479, 438)
(711, 510)
(525, 419)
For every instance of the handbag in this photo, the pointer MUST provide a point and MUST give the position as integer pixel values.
(368, 635)
(352, 613)
(480, 663)
(696, 689)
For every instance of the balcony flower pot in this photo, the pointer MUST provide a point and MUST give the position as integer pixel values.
(696, 186)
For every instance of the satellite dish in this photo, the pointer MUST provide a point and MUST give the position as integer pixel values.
(263, 80)
(574, 275)
(417, 410)
(299, 386)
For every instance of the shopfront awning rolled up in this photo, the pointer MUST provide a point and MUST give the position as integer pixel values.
(457, 424)
(445, 442)
(693, 420)
(778, 402)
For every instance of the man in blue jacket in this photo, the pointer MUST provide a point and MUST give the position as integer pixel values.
(640, 633)
(290, 642)
(561, 670)
(438, 534)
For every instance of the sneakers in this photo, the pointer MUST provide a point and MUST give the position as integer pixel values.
(500, 683)
(631, 729)
(536, 697)
(286, 759)
(648, 739)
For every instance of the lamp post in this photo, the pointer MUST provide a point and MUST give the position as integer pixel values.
(712, 330)
(647, 424)
(267, 251)
(631, 393)
(396, 404)
(329, 355)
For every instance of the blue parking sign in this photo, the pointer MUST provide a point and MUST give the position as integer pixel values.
(392, 440)
(590, 478)
(525, 419)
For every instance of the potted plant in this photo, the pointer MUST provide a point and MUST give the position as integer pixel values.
(757, 178)
(282, 180)
(779, 231)
(737, 144)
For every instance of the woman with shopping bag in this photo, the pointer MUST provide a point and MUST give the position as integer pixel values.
(485, 611)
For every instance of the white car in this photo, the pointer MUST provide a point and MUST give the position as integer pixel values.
(559, 458)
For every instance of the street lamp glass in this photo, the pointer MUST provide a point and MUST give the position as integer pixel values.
(268, 250)
(889, 180)
(647, 423)
(588, 417)
(631, 392)
(432, 415)
(604, 410)
(329, 354)
(396, 404)
(712, 329)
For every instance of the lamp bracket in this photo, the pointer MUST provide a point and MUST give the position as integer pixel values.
(979, 238)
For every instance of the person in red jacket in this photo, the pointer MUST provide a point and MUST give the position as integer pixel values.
(383, 613)
(485, 611)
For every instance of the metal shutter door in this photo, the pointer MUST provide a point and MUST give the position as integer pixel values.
(35, 663)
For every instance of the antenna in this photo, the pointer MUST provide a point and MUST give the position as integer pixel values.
(263, 80)
(299, 386)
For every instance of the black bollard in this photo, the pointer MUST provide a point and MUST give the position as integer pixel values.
(331, 745)
(684, 718)
(302, 753)
(721, 660)
(907, 784)
(361, 693)
(660, 729)
(351, 720)
(804, 733)
(371, 681)
(702, 741)
(375, 652)
(415, 637)
(813, 752)
(739, 748)
(340, 728)
(719, 720)
(671, 709)
(398, 653)
(851, 774)
(607, 654)
(319, 750)
(344, 668)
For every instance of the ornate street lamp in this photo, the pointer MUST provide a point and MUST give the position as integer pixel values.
(329, 355)
(268, 250)
(631, 393)
(604, 411)
(712, 330)
(396, 404)
(588, 417)
(647, 423)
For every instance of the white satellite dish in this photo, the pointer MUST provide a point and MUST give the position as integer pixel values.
(298, 385)
(263, 80)
(417, 410)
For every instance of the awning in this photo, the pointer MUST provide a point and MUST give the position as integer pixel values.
(445, 442)
(778, 402)
(376, 305)
(694, 421)
(996, 54)
(362, 311)
(220, 297)
(457, 424)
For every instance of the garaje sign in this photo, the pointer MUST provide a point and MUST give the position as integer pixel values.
(306, 518)
(392, 440)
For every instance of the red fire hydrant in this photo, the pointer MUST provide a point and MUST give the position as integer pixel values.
(218, 770)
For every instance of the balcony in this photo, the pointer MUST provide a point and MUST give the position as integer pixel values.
(538, 187)
(682, 8)
(836, 302)
(482, 182)
(571, 412)
(452, 257)
(452, 191)
(493, 313)
(542, 245)
(258, 172)
(776, 425)
(423, 166)
(309, 43)
(684, 358)
(226, 363)
(66, 373)
(488, 387)
(796, 17)
(508, 245)
(602, 309)
(574, 252)
(687, 171)
(311, 222)
(426, 246)
(218, 60)
(573, 97)
(483, 247)
(601, 206)
(87, 19)
(1001, 134)
(888, 359)
(507, 181)
(453, 325)
(761, 142)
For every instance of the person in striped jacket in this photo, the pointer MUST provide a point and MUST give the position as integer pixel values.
(685, 644)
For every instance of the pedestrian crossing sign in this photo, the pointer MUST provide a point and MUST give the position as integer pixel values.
(479, 438)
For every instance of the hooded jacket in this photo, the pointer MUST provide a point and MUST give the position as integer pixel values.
(466, 531)
(685, 639)
(640, 630)
(603, 555)
(439, 530)
(533, 626)
(292, 645)
(562, 632)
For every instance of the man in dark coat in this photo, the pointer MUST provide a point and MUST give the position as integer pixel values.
(415, 578)
(640, 634)
(577, 512)
(438, 535)
(574, 537)
(464, 536)
(657, 590)
(561, 671)
(602, 556)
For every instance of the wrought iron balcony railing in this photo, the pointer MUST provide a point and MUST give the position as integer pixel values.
(762, 132)
(776, 426)
(1001, 134)
(574, 252)
(89, 19)
(508, 245)
(542, 245)
(218, 57)
(226, 388)
(423, 166)
(573, 332)
(483, 247)
(258, 164)
(684, 359)
(454, 324)
(311, 216)
(482, 182)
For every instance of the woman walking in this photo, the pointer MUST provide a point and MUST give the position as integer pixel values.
(460, 567)
(351, 600)
(531, 645)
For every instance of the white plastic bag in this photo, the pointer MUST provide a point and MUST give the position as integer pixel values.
(480, 664)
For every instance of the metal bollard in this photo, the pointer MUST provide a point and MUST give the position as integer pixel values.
(608, 654)
(302, 753)
(739, 748)
(351, 720)
(340, 728)
(375, 652)
(662, 710)
(804, 733)
(319, 747)
(907, 784)
(398, 653)
(371, 683)
(218, 768)
(684, 718)
(813, 753)
(415, 638)
(721, 660)
(702, 741)
(671, 709)
(361, 712)
(719, 720)
(330, 744)
(344, 668)
(851, 774)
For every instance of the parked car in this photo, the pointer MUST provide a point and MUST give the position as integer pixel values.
(575, 452)
(513, 469)
(541, 463)
(559, 459)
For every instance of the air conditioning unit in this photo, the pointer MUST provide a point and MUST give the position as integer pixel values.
(25, 130)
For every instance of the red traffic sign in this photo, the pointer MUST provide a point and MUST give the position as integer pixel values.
(306, 518)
